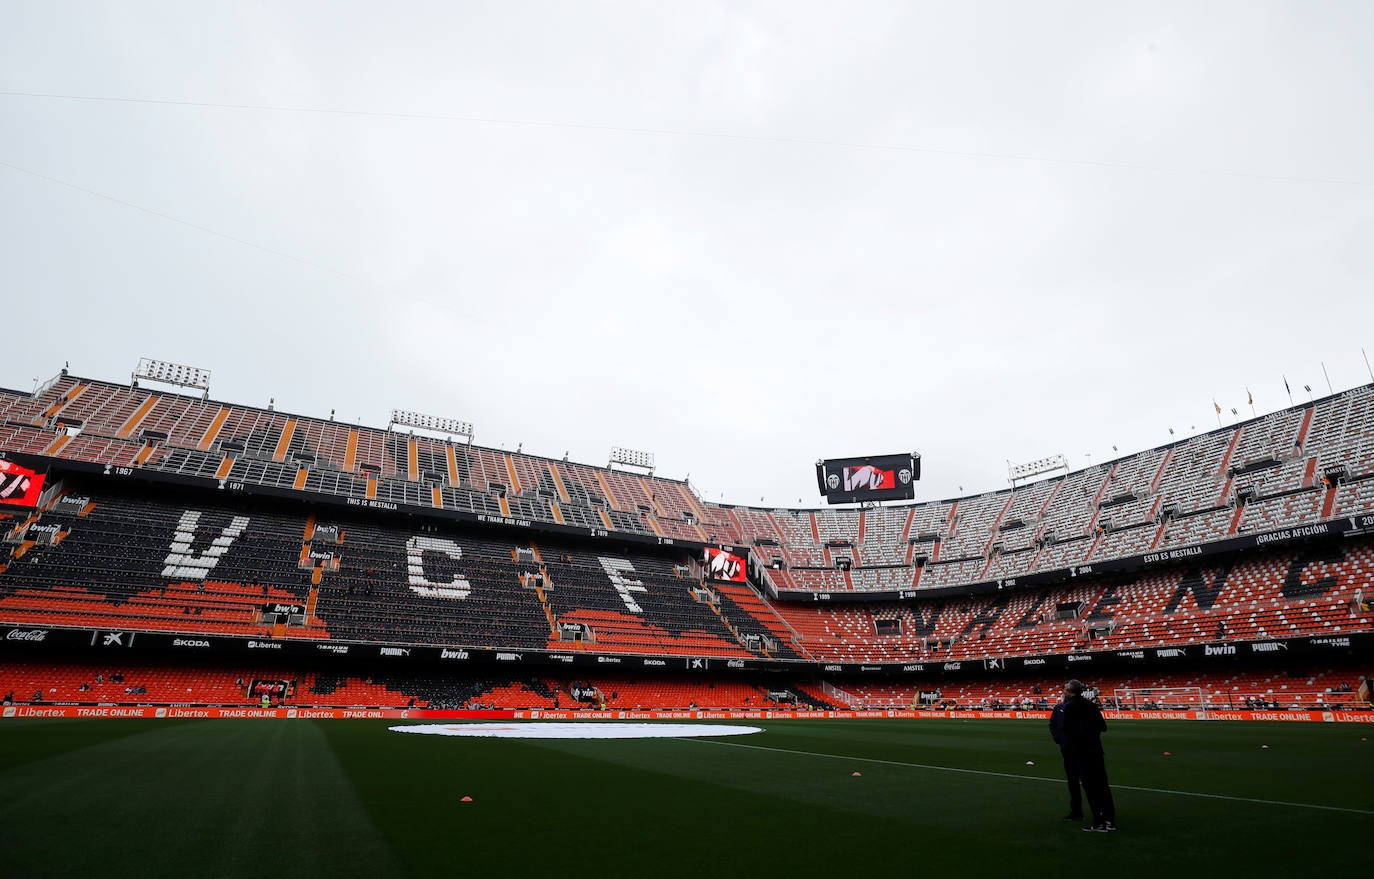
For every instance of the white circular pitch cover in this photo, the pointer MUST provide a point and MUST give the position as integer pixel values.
(580, 730)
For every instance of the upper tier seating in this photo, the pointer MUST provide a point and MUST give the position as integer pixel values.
(1172, 496)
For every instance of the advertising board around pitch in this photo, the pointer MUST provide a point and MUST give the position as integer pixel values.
(872, 478)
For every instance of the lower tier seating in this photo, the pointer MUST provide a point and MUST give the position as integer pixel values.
(162, 682)
(1302, 688)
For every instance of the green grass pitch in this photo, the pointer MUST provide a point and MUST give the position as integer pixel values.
(350, 798)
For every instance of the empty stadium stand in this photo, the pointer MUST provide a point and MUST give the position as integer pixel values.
(1296, 689)
(128, 559)
(1303, 464)
(164, 682)
(1276, 595)
(172, 516)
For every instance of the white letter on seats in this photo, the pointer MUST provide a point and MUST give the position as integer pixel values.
(614, 568)
(416, 547)
(181, 562)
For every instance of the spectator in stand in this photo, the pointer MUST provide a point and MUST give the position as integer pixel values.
(1083, 729)
(1070, 764)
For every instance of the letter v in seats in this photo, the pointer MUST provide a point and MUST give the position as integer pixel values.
(182, 562)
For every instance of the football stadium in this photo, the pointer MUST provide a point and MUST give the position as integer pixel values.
(661, 440)
(251, 614)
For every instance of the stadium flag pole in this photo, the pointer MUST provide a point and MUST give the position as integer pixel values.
(1367, 366)
(1217, 406)
(1251, 397)
(1288, 389)
(1329, 389)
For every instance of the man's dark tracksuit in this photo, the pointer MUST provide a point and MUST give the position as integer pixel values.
(1070, 764)
(1083, 729)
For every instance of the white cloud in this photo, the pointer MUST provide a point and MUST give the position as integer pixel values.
(738, 306)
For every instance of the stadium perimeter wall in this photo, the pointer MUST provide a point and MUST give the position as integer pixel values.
(20, 711)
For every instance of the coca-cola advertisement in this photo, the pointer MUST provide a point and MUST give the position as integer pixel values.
(31, 636)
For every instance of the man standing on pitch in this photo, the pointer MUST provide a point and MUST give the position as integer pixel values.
(1082, 735)
(1070, 764)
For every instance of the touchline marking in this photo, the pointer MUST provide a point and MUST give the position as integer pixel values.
(1153, 790)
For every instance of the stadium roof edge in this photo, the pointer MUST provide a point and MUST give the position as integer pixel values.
(1366, 387)
(350, 424)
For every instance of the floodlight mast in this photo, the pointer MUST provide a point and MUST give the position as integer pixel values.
(1021, 472)
(450, 426)
(167, 373)
(631, 458)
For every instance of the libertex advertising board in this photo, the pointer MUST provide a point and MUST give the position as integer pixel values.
(874, 478)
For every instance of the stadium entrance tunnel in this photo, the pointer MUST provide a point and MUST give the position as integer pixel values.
(577, 730)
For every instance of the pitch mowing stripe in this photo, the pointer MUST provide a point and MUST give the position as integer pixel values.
(1153, 790)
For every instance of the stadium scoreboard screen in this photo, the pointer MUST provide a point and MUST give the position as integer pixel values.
(726, 566)
(19, 486)
(874, 478)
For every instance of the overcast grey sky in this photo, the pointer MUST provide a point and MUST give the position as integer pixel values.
(978, 230)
